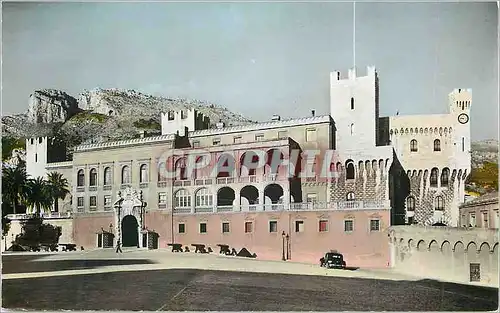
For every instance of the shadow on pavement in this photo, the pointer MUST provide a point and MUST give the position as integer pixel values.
(199, 290)
(14, 264)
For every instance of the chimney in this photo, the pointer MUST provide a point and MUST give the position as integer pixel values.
(141, 133)
(313, 113)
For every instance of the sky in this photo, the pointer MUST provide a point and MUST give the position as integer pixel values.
(257, 59)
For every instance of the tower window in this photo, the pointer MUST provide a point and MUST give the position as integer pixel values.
(434, 177)
(413, 145)
(410, 203)
(36, 157)
(439, 203)
(352, 103)
(463, 144)
(437, 145)
(350, 171)
(352, 129)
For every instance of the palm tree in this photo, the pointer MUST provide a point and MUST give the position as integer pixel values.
(58, 188)
(38, 195)
(14, 185)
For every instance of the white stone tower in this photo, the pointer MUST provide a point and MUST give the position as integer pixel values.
(36, 156)
(354, 108)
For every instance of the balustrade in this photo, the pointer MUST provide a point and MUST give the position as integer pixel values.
(309, 206)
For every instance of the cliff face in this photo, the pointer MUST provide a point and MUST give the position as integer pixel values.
(51, 106)
(101, 114)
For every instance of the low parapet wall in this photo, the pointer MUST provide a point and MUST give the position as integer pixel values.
(446, 253)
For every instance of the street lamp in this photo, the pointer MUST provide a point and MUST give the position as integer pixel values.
(287, 246)
(283, 250)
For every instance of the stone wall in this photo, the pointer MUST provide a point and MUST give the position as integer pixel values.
(444, 253)
(361, 247)
(66, 225)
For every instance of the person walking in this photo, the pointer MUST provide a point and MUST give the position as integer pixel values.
(118, 247)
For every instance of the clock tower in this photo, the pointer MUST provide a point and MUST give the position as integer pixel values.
(460, 101)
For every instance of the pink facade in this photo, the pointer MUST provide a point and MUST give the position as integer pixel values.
(363, 246)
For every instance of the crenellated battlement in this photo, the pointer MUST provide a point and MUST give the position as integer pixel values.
(351, 74)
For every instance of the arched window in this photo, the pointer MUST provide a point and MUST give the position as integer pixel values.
(80, 181)
(180, 169)
(162, 172)
(199, 159)
(437, 145)
(93, 177)
(203, 198)
(182, 199)
(439, 203)
(410, 204)
(445, 176)
(143, 177)
(349, 171)
(434, 177)
(107, 176)
(352, 103)
(350, 196)
(413, 145)
(125, 175)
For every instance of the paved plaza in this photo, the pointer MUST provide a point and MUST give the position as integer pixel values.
(161, 280)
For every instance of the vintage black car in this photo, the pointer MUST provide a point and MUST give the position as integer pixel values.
(333, 260)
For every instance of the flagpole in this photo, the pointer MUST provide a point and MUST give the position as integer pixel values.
(354, 34)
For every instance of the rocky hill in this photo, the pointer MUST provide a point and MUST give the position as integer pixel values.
(484, 151)
(102, 114)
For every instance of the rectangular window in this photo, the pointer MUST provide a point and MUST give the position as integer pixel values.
(374, 225)
(225, 227)
(80, 202)
(472, 220)
(310, 135)
(162, 198)
(171, 116)
(282, 134)
(410, 220)
(107, 201)
(248, 227)
(463, 144)
(323, 225)
(237, 139)
(203, 228)
(299, 226)
(182, 228)
(273, 226)
(485, 220)
(496, 220)
(196, 144)
(216, 142)
(348, 225)
(93, 201)
(183, 115)
(259, 137)
(311, 197)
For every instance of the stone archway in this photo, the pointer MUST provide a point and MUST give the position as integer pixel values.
(129, 211)
(130, 231)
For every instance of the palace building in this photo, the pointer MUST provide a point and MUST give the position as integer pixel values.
(388, 171)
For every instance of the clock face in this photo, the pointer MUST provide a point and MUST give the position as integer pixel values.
(463, 118)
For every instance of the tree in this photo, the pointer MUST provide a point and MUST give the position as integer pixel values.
(38, 195)
(35, 232)
(58, 188)
(486, 176)
(14, 186)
